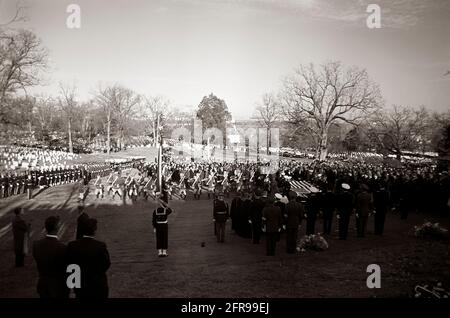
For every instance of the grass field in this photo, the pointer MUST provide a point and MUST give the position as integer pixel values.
(234, 269)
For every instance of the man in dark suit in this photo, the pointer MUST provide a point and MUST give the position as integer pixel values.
(93, 258)
(20, 231)
(51, 259)
(273, 222)
(293, 213)
(83, 217)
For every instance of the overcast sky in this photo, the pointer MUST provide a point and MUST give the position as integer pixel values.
(240, 49)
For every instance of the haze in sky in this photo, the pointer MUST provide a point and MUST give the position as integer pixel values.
(240, 49)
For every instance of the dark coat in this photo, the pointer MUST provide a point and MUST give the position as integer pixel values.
(273, 217)
(51, 259)
(218, 212)
(256, 211)
(363, 203)
(81, 225)
(328, 203)
(93, 258)
(381, 200)
(345, 203)
(294, 211)
(20, 231)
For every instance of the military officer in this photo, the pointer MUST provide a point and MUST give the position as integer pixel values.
(161, 227)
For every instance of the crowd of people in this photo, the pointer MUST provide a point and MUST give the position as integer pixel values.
(263, 202)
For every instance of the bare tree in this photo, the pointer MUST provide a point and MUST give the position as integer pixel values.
(67, 102)
(400, 129)
(22, 58)
(44, 112)
(320, 98)
(268, 112)
(124, 109)
(118, 104)
(155, 110)
(86, 117)
(106, 98)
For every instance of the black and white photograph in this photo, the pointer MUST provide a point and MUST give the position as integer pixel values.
(235, 150)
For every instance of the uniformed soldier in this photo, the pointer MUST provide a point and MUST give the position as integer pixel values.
(312, 211)
(197, 185)
(381, 204)
(29, 186)
(294, 211)
(3, 185)
(161, 228)
(345, 208)
(211, 184)
(363, 206)
(220, 217)
(328, 207)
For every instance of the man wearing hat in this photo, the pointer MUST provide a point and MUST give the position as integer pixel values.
(220, 216)
(161, 227)
(345, 208)
(51, 259)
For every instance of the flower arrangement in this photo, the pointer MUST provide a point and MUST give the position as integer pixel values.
(314, 242)
(430, 230)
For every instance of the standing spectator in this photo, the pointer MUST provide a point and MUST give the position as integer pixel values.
(273, 222)
(93, 258)
(21, 232)
(51, 260)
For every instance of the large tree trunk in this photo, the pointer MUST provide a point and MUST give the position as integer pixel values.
(323, 150)
(268, 140)
(70, 136)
